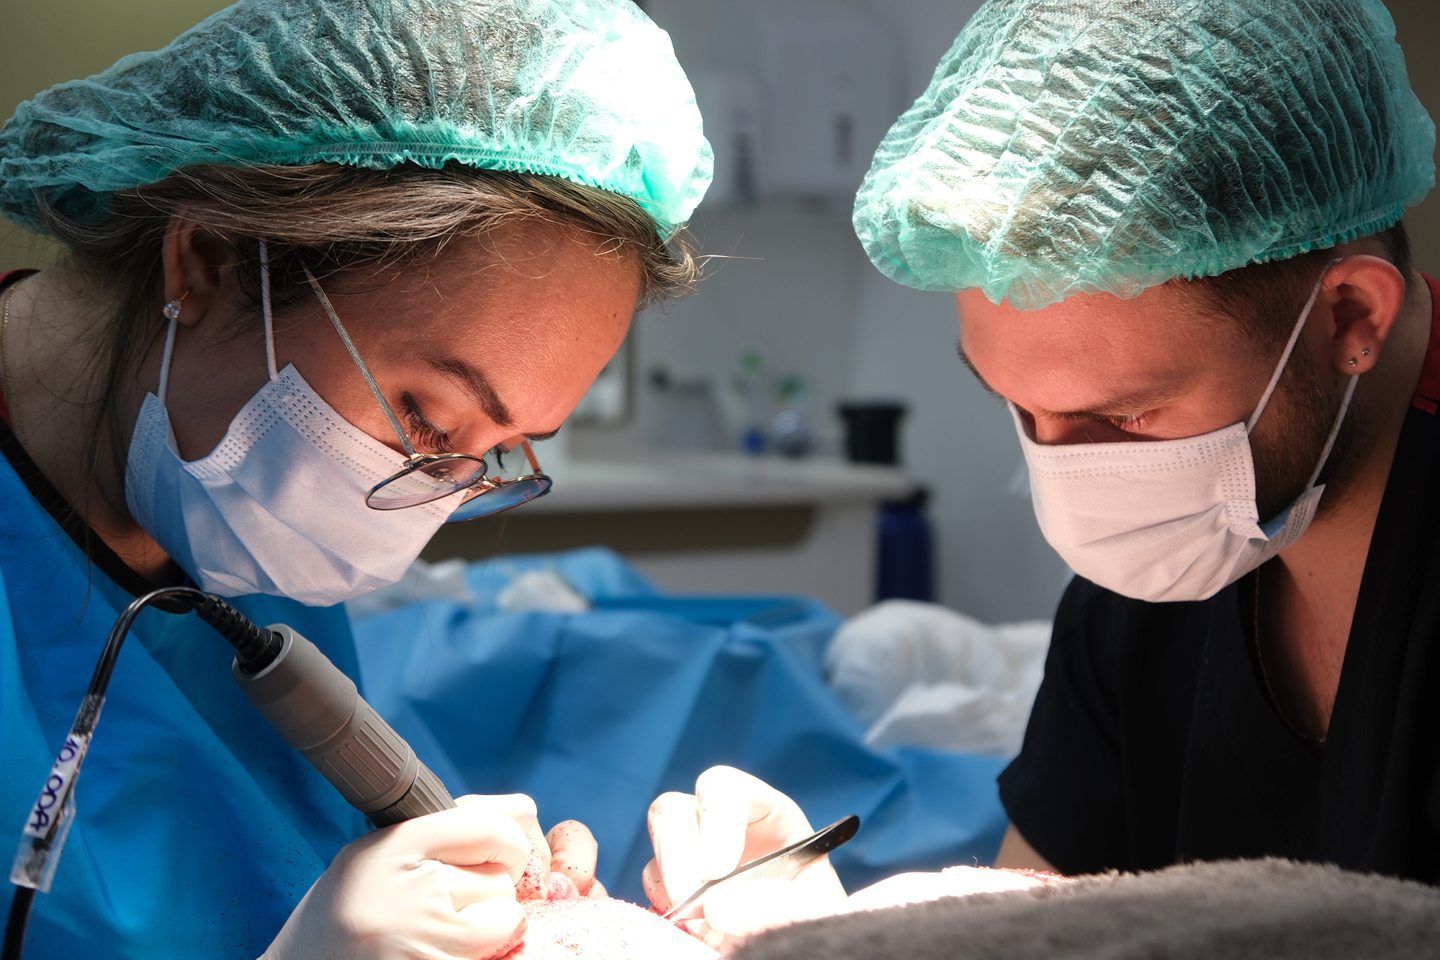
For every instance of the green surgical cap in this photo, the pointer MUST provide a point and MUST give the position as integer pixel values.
(585, 90)
(1069, 146)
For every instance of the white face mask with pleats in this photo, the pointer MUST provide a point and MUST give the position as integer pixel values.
(278, 507)
(1168, 519)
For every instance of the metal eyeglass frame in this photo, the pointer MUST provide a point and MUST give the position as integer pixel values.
(523, 489)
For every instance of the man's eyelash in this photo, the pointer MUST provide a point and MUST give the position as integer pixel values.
(1136, 422)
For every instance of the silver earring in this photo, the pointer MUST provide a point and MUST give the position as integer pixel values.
(1365, 352)
(1353, 361)
(171, 310)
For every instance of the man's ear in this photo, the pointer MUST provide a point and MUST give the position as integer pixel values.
(1366, 295)
(196, 262)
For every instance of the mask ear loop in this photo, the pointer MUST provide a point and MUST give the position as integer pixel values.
(1335, 429)
(165, 360)
(1289, 348)
(265, 309)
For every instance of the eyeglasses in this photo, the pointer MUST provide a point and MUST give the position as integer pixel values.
(427, 477)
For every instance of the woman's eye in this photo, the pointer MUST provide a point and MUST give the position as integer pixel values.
(423, 433)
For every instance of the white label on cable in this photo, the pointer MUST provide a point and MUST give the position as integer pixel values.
(50, 802)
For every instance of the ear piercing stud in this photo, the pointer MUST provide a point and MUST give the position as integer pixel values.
(1364, 353)
(171, 310)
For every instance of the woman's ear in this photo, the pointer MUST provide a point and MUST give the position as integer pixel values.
(1366, 295)
(195, 261)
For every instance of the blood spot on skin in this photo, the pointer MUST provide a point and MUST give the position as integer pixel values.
(563, 924)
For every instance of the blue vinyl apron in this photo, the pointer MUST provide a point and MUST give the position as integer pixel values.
(197, 830)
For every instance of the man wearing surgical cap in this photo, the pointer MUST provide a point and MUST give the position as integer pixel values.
(1174, 230)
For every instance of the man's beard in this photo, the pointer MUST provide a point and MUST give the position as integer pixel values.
(1295, 427)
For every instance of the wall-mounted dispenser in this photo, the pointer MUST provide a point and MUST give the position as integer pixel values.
(796, 94)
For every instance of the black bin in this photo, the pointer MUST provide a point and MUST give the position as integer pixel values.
(872, 431)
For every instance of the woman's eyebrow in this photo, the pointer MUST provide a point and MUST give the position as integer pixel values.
(474, 382)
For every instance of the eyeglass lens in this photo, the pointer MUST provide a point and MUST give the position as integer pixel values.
(509, 494)
(426, 482)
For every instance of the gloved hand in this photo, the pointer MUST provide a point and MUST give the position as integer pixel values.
(907, 888)
(439, 886)
(731, 818)
(573, 852)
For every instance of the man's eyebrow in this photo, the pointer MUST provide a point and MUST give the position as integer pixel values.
(478, 386)
(1123, 403)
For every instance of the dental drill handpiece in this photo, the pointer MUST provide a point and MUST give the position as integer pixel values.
(314, 706)
(318, 711)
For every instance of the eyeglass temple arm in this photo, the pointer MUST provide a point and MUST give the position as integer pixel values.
(364, 370)
(530, 455)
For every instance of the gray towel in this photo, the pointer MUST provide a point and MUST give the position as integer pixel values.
(1233, 910)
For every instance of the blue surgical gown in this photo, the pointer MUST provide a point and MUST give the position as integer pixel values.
(197, 829)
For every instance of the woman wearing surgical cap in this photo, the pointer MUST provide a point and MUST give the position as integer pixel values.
(1174, 229)
(330, 267)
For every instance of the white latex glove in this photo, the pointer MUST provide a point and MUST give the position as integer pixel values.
(574, 852)
(436, 887)
(907, 888)
(731, 818)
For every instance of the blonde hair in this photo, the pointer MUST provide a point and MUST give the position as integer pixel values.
(334, 219)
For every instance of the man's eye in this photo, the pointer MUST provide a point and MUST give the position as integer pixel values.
(1131, 423)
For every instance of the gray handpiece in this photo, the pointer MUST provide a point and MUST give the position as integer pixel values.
(317, 709)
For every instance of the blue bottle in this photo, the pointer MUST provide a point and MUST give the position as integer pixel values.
(905, 565)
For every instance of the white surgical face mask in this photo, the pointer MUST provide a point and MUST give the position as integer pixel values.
(1168, 519)
(278, 507)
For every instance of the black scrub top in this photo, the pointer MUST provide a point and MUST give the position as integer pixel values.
(1153, 739)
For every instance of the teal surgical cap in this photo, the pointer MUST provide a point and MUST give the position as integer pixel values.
(1069, 146)
(585, 90)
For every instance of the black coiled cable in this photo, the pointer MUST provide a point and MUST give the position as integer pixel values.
(255, 648)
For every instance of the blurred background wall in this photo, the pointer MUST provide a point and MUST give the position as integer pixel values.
(795, 288)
